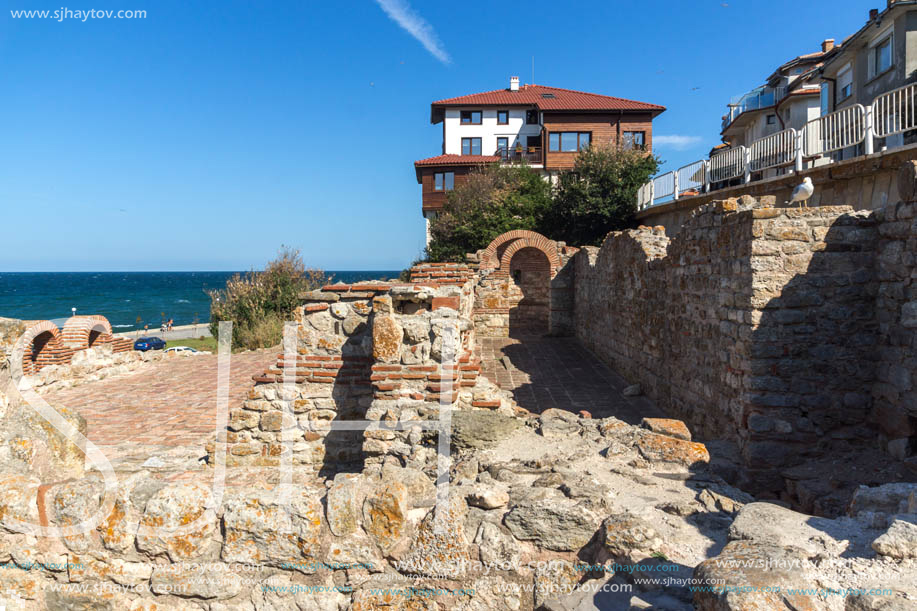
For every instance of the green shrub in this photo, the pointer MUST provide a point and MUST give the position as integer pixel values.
(598, 195)
(258, 303)
(492, 201)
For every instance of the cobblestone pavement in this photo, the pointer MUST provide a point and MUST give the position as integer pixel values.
(557, 372)
(169, 404)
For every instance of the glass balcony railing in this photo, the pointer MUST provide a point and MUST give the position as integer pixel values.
(753, 100)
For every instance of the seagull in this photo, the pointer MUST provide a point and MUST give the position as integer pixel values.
(803, 192)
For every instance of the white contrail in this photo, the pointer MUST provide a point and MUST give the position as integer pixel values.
(401, 13)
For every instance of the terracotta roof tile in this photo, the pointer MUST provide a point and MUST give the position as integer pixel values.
(558, 99)
(457, 160)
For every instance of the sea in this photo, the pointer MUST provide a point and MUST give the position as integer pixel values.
(129, 300)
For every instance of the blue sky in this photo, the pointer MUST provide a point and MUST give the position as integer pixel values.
(208, 134)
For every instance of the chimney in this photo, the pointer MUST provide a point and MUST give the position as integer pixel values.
(827, 45)
(514, 83)
(873, 14)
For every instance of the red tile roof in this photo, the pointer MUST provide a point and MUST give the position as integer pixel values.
(563, 99)
(457, 160)
(452, 160)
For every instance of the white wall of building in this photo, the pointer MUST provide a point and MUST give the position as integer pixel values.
(488, 131)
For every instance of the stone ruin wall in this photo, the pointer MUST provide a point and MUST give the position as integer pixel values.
(895, 388)
(367, 351)
(753, 323)
(82, 350)
(353, 533)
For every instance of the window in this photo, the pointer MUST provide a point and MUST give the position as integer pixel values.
(471, 146)
(771, 119)
(568, 142)
(502, 145)
(444, 181)
(502, 117)
(471, 117)
(531, 117)
(633, 140)
(880, 58)
(845, 83)
(825, 92)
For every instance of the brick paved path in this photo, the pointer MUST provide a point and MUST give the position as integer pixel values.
(558, 372)
(168, 404)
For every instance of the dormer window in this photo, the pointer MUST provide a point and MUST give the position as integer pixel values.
(471, 117)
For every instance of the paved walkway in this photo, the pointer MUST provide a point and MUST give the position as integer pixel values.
(180, 332)
(171, 404)
(168, 404)
(557, 372)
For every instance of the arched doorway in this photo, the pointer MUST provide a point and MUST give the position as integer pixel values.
(41, 353)
(94, 335)
(529, 292)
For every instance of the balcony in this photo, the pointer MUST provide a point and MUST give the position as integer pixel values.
(531, 155)
(759, 98)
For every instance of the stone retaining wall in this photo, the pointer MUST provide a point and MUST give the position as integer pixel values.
(895, 390)
(865, 183)
(753, 323)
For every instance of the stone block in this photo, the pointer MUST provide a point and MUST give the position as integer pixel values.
(385, 514)
(659, 448)
(343, 503)
(557, 524)
(260, 528)
(900, 541)
(387, 339)
(178, 521)
(667, 427)
(754, 575)
(907, 181)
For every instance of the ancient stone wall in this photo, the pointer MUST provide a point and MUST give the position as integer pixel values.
(753, 323)
(83, 350)
(894, 392)
(376, 352)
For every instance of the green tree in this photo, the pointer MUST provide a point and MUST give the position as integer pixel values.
(598, 195)
(492, 200)
(259, 302)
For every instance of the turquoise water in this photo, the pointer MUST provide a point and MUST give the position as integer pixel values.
(123, 297)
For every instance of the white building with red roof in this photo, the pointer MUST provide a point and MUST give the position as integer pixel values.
(544, 127)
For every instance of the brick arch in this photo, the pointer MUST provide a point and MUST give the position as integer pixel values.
(491, 257)
(42, 346)
(81, 332)
(540, 242)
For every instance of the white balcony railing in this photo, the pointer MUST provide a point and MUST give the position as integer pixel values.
(834, 132)
(727, 165)
(895, 112)
(664, 185)
(692, 177)
(772, 151)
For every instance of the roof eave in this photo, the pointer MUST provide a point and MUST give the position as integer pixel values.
(846, 44)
